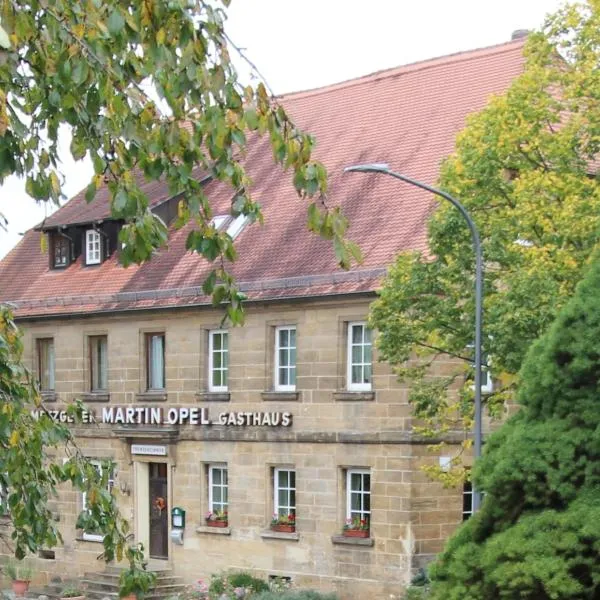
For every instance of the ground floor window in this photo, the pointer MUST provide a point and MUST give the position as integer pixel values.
(98, 465)
(218, 491)
(358, 498)
(284, 495)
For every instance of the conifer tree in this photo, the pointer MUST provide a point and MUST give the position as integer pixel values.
(537, 535)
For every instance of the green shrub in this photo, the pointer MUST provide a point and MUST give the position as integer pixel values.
(224, 582)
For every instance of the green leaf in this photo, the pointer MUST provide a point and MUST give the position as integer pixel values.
(116, 22)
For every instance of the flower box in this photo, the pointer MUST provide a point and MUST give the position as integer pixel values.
(356, 533)
(283, 527)
(216, 523)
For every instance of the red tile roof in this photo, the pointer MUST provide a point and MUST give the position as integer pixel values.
(407, 117)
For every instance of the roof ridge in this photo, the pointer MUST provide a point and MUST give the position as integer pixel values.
(419, 65)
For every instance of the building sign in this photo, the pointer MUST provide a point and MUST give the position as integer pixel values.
(148, 450)
(180, 415)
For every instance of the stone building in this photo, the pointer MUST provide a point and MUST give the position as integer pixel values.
(290, 414)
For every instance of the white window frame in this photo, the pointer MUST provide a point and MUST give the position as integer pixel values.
(4, 508)
(290, 509)
(224, 357)
(94, 537)
(467, 493)
(362, 512)
(237, 225)
(289, 367)
(350, 385)
(211, 469)
(93, 254)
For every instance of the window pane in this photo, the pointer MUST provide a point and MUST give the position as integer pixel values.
(368, 354)
(216, 476)
(283, 478)
(357, 354)
(292, 375)
(292, 498)
(293, 338)
(224, 378)
(282, 498)
(355, 502)
(217, 357)
(293, 479)
(367, 374)
(283, 337)
(283, 358)
(156, 364)
(356, 374)
(357, 334)
(216, 341)
(217, 495)
(225, 340)
(224, 476)
(225, 495)
(367, 482)
(356, 482)
(367, 502)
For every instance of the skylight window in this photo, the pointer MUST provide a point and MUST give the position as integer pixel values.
(236, 226)
(219, 221)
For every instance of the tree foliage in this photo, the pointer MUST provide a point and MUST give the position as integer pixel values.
(537, 535)
(526, 168)
(150, 87)
(38, 456)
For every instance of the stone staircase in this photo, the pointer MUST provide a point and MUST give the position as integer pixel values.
(105, 584)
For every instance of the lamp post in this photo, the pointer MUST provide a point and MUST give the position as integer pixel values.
(384, 168)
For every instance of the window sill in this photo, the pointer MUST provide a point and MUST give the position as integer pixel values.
(95, 397)
(279, 535)
(274, 396)
(214, 530)
(352, 541)
(213, 396)
(152, 396)
(80, 538)
(48, 396)
(349, 396)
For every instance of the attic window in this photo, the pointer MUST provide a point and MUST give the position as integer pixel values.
(236, 226)
(219, 221)
(62, 252)
(93, 245)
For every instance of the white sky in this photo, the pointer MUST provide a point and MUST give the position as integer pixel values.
(301, 44)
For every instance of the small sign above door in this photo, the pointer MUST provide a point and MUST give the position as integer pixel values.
(148, 450)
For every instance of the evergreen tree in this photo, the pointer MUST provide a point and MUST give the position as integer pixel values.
(537, 535)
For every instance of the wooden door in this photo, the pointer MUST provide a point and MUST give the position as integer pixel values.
(159, 511)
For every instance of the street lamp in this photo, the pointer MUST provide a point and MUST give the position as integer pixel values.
(384, 168)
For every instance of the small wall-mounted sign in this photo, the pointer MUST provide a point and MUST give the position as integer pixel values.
(148, 450)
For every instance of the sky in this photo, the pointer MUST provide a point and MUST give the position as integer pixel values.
(303, 44)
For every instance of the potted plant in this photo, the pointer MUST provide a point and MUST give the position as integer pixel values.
(284, 523)
(20, 575)
(219, 518)
(72, 592)
(135, 582)
(356, 527)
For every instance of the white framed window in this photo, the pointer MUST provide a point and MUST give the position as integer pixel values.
(91, 536)
(467, 500)
(155, 361)
(358, 495)
(487, 383)
(98, 363)
(285, 359)
(46, 363)
(218, 360)
(4, 509)
(235, 227)
(218, 489)
(93, 245)
(284, 492)
(359, 357)
(218, 221)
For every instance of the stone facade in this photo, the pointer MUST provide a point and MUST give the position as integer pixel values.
(333, 430)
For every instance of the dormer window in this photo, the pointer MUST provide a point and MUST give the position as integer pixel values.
(62, 252)
(93, 246)
(236, 226)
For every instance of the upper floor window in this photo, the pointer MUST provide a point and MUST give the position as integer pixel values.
(285, 358)
(235, 227)
(98, 363)
(93, 247)
(61, 252)
(155, 361)
(45, 348)
(218, 360)
(359, 357)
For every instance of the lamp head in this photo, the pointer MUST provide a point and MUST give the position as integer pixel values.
(368, 168)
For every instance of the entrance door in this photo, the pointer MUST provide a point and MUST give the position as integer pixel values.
(159, 511)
